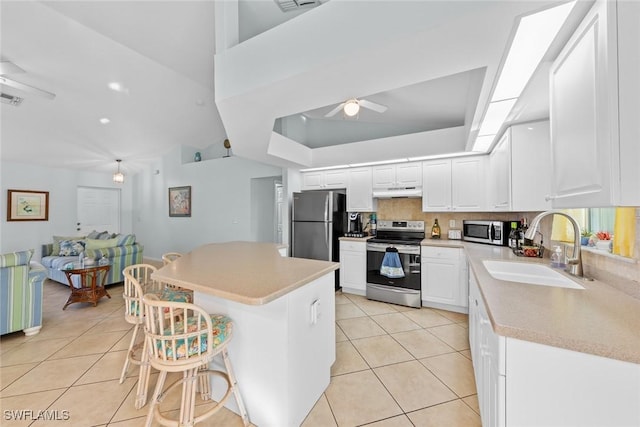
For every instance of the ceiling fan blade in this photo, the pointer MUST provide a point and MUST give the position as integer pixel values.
(372, 106)
(7, 67)
(335, 110)
(26, 88)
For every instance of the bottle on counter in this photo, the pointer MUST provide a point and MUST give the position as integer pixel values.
(523, 229)
(557, 257)
(514, 235)
(435, 230)
(373, 224)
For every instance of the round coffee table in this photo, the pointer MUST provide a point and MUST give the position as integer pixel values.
(91, 283)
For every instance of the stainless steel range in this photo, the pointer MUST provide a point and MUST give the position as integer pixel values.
(393, 263)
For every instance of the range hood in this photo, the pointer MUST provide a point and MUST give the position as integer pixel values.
(389, 193)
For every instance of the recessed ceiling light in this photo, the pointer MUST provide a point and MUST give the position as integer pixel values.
(118, 87)
(104, 120)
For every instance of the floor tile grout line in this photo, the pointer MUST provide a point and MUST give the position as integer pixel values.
(397, 363)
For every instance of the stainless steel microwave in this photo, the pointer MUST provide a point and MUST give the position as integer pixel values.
(485, 231)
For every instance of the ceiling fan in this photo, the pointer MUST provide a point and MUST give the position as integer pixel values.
(7, 67)
(351, 107)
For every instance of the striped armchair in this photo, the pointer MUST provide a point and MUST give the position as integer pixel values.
(21, 287)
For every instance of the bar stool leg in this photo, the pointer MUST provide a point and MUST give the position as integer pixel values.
(205, 384)
(234, 386)
(143, 378)
(189, 389)
(128, 359)
(156, 394)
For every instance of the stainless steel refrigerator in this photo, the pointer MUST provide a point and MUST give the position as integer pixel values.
(319, 218)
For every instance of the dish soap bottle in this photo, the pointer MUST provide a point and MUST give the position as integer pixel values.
(435, 230)
(557, 258)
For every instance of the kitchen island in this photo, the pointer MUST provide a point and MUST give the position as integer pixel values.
(283, 311)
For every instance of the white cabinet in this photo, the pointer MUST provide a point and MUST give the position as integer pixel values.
(353, 267)
(454, 184)
(522, 383)
(500, 175)
(444, 278)
(488, 356)
(436, 185)
(401, 175)
(325, 180)
(594, 110)
(520, 169)
(360, 191)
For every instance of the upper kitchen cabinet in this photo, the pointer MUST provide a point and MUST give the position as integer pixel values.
(325, 180)
(594, 110)
(401, 175)
(520, 169)
(360, 191)
(456, 184)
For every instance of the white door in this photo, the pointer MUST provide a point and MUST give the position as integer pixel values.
(98, 209)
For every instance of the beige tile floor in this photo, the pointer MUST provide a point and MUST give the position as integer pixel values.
(395, 366)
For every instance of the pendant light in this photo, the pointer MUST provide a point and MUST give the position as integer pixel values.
(118, 177)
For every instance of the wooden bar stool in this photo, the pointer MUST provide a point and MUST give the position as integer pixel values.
(188, 346)
(170, 257)
(137, 282)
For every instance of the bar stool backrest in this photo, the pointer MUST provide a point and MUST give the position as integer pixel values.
(169, 257)
(179, 335)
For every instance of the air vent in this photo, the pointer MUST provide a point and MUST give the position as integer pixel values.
(10, 99)
(291, 5)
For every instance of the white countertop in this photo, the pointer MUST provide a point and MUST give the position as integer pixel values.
(599, 319)
(248, 272)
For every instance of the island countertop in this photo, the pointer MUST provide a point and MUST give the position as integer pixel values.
(251, 273)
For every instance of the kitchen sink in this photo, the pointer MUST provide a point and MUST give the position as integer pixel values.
(529, 273)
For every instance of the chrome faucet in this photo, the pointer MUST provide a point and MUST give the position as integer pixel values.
(574, 264)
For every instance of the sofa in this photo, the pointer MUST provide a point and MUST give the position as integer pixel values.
(21, 288)
(118, 250)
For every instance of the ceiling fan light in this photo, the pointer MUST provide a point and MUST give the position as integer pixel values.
(118, 177)
(351, 107)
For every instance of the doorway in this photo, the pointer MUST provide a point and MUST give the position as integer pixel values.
(98, 209)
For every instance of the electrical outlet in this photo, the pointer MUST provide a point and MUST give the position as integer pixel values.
(452, 223)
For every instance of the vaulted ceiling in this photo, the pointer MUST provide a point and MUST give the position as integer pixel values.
(432, 63)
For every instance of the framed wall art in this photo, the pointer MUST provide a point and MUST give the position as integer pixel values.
(180, 201)
(27, 205)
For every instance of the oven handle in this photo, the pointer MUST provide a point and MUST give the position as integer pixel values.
(391, 289)
(382, 247)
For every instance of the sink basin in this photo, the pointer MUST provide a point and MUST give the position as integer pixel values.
(529, 273)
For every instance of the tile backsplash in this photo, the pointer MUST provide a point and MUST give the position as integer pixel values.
(623, 273)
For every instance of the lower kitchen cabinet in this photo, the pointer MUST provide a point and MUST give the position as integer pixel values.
(444, 278)
(522, 383)
(353, 267)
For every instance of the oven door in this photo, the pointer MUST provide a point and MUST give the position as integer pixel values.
(403, 290)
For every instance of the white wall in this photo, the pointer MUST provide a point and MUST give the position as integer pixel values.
(61, 185)
(221, 202)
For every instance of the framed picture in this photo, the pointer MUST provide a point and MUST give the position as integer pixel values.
(27, 205)
(180, 201)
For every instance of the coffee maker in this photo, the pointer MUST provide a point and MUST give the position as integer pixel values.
(355, 225)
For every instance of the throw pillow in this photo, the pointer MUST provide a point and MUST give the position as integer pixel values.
(57, 239)
(71, 247)
(16, 258)
(93, 235)
(100, 244)
(126, 239)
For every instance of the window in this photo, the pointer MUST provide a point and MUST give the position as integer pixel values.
(619, 222)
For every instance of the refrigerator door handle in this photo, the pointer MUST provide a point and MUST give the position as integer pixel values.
(327, 207)
(327, 238)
